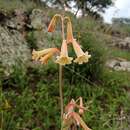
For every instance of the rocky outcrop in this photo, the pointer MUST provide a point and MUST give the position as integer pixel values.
(18, 20)
(118, 64)
(38, 19)
(14, 30)
(13, 49)
(38, 22)
(122, 43)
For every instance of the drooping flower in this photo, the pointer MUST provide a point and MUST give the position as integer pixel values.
(52, 24)
(44, 59)
(69, 32)
(63, 59)
(72, 118)
(81, 56)
(44, 55)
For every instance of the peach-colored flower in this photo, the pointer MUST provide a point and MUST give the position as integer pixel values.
(81, 56)
(44, 55)
(79, 120)
(71, 117)
(44, 59)
(63, 59)
(69, 32)
(52, 24)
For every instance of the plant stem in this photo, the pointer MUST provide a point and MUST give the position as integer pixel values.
(61, 74)
(61, 88)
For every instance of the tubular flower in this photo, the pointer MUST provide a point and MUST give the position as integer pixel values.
(69, 32)
(52, 24)
(81, 111)
(63, 59)
(44, 55)
(72, 118)
(81, 56)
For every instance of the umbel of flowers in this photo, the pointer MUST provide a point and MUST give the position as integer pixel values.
(44, 55)
(69, 117)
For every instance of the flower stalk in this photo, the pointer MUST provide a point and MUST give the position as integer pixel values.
(62, 59)
(61, 74)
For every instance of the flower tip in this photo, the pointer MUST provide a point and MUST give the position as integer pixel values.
(64, 60)
(51, 26)
(69, 32)
(50, 29)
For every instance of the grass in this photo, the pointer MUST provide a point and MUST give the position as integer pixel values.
(34, 100)
(10, 6)
(116, 52)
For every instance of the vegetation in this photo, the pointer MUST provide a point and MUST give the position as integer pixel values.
(16, 4)
(30, 96)
(34, 99)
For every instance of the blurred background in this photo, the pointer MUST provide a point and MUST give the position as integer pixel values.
(29, 92)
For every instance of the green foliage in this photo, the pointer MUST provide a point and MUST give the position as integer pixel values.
(94, 68)
(31, 40)
(36, 106)
(116, 52)
(10, 5)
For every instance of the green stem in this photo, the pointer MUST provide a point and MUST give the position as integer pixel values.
(61, 73)
(61, 89)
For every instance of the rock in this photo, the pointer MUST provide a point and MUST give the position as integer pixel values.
(13, 49)
(18, 21)
(118, 64)
(122, 43)
(38, 19)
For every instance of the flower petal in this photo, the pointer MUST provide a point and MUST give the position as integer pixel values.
(44, 59)
(69, 32)
(52, 24)
(44, 55)
(81, 56)
(80, 121)
(63, 59)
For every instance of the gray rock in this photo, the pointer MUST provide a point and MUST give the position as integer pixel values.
(13, 49)
(122, 43)
(118, 64)
(18, 21)
(38, 19)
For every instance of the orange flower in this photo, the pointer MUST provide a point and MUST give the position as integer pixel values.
(69, 32)
(79, 120)
(52, 24)
(44, 55)
(81, 56)
(45, 58)
(63, 59)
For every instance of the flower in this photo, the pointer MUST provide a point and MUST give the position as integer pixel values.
(52, 24)
(69, 32)
(44, 59)
(44, 55)
(81, 56)
(72, 118)
(63, 59)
